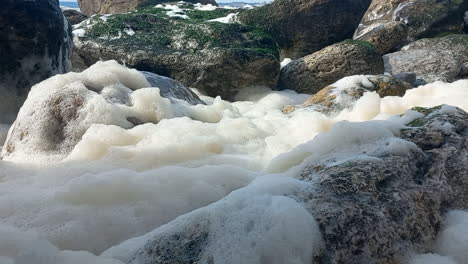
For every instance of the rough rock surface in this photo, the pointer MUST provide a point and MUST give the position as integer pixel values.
(91, 7)
(58, 111)
(369, 210)
(322, 68)
(423, 18)
(302, 27)
(216, 58)
(74, 17)
(387, 37)
(456, 43)
(344, 93)
(430, 65)
(35, 43)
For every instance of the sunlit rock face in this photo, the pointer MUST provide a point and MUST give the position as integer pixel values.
(35, 43)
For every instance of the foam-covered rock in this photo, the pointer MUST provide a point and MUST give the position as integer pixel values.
(378, 206)
(302, 27)
(35, 43)
(58, 111)
(324, 67)
(345, 92)
(182, 42)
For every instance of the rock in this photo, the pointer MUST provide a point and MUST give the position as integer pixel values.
(216, 58)
(456, 43)
(74, 17)
(324, 67)
(302, 27)
(35, 43)
(59, 110)
(91, 7)
(423, 18)
(172, 89)
(408, 77)
(386, 37)
(375, 208)
(345, 92)
(429, 65)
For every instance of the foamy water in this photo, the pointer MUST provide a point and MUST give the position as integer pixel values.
(119, 183)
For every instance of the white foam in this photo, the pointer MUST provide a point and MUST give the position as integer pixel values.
(121, 181)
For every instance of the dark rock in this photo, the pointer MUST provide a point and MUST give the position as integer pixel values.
(216, 58)
(409, 77)
(322, 68)
(423, 18)
(302, 27)
(91, 7)
(35, 43)
(74, 17)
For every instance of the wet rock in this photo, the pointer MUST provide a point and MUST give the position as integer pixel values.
(322, 68)
(35, 43)
(302, 27)
(74, 17)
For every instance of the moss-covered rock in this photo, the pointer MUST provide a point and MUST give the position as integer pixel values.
(217, 58)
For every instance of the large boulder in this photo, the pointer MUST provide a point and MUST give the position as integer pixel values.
(377, 206)
(429, 65)
(455, 43)
(345, 92)
(302, 27)
(74, 16)
(322, 68)
(423, 18)
(386, 37)
(91, 7)
(35, 43)
(179, 42)
(59, 110)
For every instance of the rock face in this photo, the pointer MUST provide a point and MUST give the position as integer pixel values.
(91, 7)
(345, 92)
(320, 69)
(216, 58)
(59, 110)
(387, 37)
(369, 210)
(423, 18)
(456, 43)
(429, 65)
(35, 43)
(302, 27)
(74, 17)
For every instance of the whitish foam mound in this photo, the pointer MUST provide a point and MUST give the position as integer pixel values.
(123, 179)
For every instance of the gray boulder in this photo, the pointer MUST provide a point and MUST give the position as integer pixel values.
(216, 58)
(302, 27)
(423, 18)
(455, 43)
(429, 65)
(386, 37)
(35, 43)
(376, 208)
(91, 7)
(322, 68)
